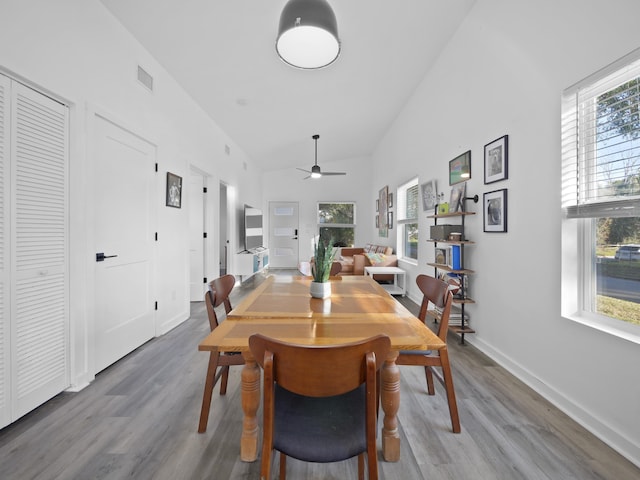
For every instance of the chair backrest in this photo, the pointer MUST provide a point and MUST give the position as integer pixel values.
(217, 294)
(437, 292)
(336, 268)
(319, 370)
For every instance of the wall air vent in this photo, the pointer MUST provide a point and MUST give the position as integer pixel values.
(145, 78)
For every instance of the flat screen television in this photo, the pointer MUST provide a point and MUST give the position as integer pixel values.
(252, 228)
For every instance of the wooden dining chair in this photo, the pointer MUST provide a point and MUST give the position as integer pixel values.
(336, 268)
(437, 292)
(217, 294)
(320, 402)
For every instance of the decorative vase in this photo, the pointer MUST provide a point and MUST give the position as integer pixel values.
(320, 290)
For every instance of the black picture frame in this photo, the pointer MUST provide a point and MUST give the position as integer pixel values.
(174, 190)
(377, 205)
(390, 201)
(390, 220)
(494, 209)
(460, 168)
(496, 160)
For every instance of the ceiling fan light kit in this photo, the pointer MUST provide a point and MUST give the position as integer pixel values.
(315, 171)
(308, 34)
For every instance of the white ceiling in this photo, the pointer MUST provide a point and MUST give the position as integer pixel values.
(222, 52)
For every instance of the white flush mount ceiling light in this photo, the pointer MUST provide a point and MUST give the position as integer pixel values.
(308, 34)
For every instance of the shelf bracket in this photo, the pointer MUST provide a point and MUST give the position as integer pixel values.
(474, 198)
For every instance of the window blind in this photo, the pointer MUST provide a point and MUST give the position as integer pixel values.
(601, 143)
(408, 202)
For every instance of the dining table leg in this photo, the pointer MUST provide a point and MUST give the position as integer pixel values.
(390, 399)
(250, 380)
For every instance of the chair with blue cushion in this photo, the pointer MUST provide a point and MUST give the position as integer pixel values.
(437, 292)
(217, 294)
(320, 402)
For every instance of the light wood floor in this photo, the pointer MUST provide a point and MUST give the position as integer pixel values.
(139, 418)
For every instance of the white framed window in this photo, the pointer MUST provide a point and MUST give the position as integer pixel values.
(601, 199)
(337, 221)
(407, 231)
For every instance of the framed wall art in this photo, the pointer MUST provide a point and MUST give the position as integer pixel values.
(174, 190)
(383, 210)
(429, 195)
(390, 202)
(390, 220)
(456, 201)
(460, 168)
(494, 207)
(496, 160)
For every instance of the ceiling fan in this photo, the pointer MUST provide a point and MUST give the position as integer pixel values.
(315, 170)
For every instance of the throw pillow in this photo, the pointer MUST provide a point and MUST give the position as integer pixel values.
(375, 258)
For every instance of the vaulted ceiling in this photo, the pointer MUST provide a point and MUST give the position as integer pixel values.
(222, 52)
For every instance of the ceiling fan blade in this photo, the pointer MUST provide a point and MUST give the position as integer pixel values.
(303, 170)
(307, 177)
(334, 173)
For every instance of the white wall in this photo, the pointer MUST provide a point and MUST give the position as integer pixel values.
(76, 50)
(503, 73)
(288, 185)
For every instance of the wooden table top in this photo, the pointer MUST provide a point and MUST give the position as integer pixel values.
(281, 307)
(351, 295)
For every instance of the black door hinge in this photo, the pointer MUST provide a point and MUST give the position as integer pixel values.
(204, 234)
(156, 236)
(205, 280)
(156, 306)
(204, 189)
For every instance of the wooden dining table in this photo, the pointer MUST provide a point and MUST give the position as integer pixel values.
(281, 307)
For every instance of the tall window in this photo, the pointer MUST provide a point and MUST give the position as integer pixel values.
(408, 220)
(601, 194)
(337, 221)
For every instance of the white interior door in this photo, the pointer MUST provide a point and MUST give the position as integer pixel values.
(124, 233)
(196, 235)
(283, 235)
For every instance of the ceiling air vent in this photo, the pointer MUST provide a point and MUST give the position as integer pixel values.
(145, 78)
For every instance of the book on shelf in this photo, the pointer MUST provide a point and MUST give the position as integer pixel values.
(455, 317)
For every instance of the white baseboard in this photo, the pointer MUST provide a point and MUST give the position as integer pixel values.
(78, 387)
(604, 432)
(172, 323)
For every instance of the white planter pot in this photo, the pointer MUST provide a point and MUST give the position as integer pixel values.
(320, 290)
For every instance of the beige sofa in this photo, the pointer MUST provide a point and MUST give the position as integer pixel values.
(354, 260)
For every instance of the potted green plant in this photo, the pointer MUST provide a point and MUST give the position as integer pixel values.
(320, 268)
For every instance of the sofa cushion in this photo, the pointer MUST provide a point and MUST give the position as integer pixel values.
(347, 265)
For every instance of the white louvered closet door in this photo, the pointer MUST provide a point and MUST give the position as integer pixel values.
(5, 373)
(39, 264)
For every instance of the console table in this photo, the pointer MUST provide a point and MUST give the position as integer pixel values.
(399, 286)
(249, 263)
